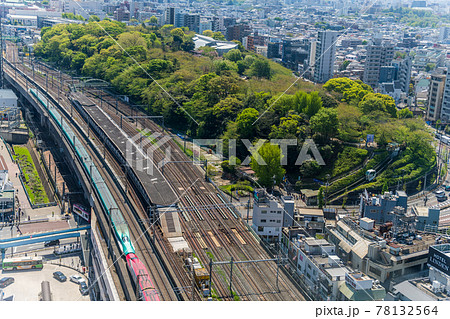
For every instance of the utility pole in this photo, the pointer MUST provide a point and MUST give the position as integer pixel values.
(1, 52)
(231, 276)
(193, 281)
(210, 276)
(248, 208)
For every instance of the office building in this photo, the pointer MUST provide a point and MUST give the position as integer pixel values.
(325, 56)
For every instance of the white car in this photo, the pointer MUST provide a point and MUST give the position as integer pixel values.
(77, 279)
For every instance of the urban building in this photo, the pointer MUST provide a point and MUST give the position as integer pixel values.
(221, 47)
(6, 193)
(360, 287)
(404, 68)
(444, 33)
(434, 287)
(295, 53)
(325, 56)
(192, 21)
(8, 99)
(445, 111)
(436, 94)
(170, 16)
(237, 32)
(388, 73)
(379, 53)
(387, 252)
(380, 208)
(270, 215)
(315, 262)
(351, 43)
(426, 217)
(122, 14)
(273, 50)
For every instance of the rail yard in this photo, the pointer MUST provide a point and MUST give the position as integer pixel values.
(210, 225)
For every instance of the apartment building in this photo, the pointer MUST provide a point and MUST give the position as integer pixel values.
(436, 94)
(325, 56)
(379, 53)
(445, 111)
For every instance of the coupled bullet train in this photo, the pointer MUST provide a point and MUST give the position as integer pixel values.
(144, 284)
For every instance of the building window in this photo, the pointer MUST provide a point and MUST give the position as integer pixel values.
(264, 212)
(263, 220)
(278, 221)
(375, 271)
(260, 228)
(279, 212)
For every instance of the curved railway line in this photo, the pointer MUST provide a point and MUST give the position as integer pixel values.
(213, 225)
(143, 248)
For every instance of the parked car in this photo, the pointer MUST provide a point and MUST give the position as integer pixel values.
(77, 279)
(51, 243)
(440, 193)
(442, 198)
(6, 281)
(84, 288)
(59, 276)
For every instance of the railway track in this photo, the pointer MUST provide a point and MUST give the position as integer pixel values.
(258, 277)
(252, 283)
(142, 247)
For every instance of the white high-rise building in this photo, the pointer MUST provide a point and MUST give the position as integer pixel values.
(325, 56)
(445, 111)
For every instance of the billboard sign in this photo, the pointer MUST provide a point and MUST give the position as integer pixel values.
(439, 259)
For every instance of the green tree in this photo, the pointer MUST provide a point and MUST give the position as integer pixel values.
(267, 165)
(429, 67)
(326, 123)
(94, 18)
(208, 33)
(404, 114)
(153, 20)
(320, 197)
(261, 69)
(218, 36)
(385, 187)
(233, 55)
(229, 167)
(244, 123)
(314, 105)
(309, 169)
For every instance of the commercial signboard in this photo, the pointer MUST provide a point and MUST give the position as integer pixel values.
(438, 259)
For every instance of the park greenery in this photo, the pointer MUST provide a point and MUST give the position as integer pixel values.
(241, 95)
(417, 18)
(32, 182)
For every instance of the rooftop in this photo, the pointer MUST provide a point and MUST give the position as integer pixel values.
(7, 94)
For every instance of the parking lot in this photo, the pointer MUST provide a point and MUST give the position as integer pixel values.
(27, 285)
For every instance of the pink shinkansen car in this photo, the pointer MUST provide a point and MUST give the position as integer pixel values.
(147, 290)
